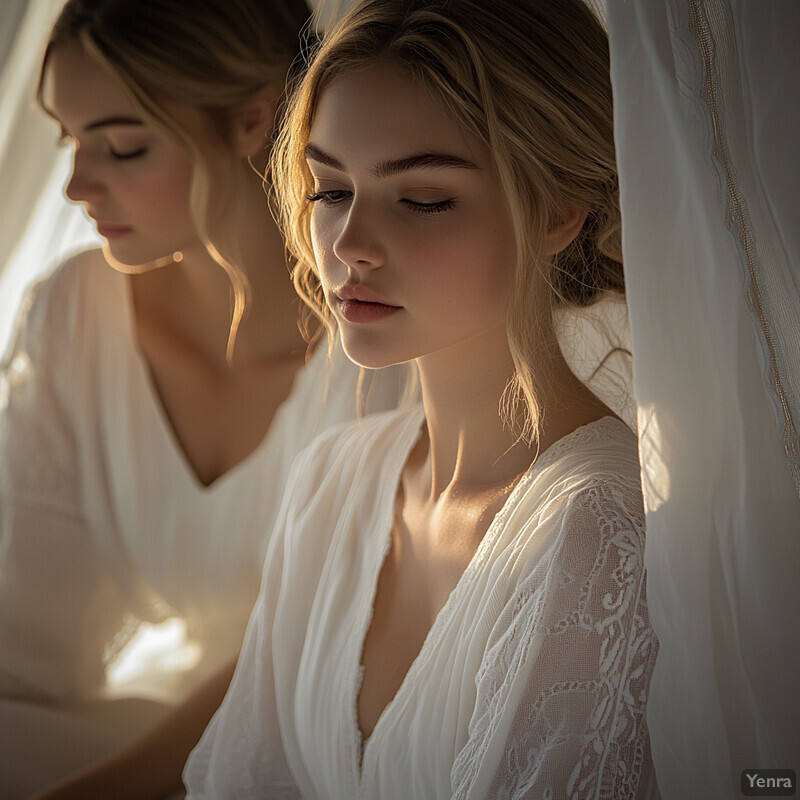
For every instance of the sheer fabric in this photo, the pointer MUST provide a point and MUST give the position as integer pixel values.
(11, 16)
(39, 227)
(532, 682)
(596, 343)
(102, 523)
(706, 130)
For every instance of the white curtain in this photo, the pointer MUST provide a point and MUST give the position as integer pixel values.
(38, 226)
(707, 125)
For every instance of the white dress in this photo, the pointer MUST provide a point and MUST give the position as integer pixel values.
(532, 681)
(103, 523)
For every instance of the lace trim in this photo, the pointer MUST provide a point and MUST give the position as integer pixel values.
(615, 745)
(603, 428)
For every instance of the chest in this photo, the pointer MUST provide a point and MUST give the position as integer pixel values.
(427, 557)
(378, 683)
(218, 416)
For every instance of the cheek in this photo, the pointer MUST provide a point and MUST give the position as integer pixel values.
(467, 258)
(323, 237)
(318, 241)
(466, 274)
(162, 194)
(489, 257)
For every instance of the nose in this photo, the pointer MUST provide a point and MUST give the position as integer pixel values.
(359, 243)
(84, 185)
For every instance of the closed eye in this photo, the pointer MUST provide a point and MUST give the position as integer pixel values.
(329, 197)
(429, 208)
(332, 197)
(123, 156)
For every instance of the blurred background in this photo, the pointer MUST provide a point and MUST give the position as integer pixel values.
(39, 228)
(38, 225)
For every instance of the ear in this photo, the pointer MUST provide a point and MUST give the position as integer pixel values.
(563, 230)
(253, 122)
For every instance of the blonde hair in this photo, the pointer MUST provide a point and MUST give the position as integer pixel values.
(213, 55)
(531, 81)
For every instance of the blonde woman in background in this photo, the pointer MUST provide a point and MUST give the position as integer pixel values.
(453, 602)
(156, 392)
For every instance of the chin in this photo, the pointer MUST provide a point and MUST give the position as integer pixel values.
(372, 355)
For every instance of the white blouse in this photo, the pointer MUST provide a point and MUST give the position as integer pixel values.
(102, 521)
(532, 682)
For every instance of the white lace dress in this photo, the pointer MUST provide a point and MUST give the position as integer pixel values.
(532, 682)
(103, 523)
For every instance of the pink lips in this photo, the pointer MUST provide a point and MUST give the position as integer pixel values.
(360, 305)
(109, 231)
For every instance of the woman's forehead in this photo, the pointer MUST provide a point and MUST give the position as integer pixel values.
(79, 91)
(373, 115)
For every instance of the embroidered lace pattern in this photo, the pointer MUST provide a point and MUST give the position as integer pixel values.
(564, 684)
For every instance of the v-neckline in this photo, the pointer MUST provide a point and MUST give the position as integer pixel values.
(363, 748)
(157, 406)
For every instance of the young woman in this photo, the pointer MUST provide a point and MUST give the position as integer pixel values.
(453, 601)
(150, 412)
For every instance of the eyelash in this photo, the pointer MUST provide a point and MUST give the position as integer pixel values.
(65, 139)
(327, 198)
(124, 156)
(430, 208)
(418, 208)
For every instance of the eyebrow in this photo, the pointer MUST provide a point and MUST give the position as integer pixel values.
(111, 121)
(396, 165)
(93, 126)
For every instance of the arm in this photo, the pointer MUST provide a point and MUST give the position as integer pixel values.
(563, 686)
(241, 753)
(61, 605)
(149, 767)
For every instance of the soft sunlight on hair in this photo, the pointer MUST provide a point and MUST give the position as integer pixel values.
(548, 126)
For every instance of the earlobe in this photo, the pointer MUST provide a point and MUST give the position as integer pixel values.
(564, 230)
(254, 121)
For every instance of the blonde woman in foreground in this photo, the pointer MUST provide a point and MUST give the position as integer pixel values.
(144, 445)
(453, 602)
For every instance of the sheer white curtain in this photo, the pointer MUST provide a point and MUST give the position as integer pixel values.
(38, 226)
(707, 124)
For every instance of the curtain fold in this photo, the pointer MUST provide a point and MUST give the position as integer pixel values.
(38, 226)
(706, 127)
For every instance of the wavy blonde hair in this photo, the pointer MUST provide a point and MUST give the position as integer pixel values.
(531, 81)
(213, 55)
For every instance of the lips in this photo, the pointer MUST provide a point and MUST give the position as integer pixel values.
(109, 230)
(360, 305)
(361, 294)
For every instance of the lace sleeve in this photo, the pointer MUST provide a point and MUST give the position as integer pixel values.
(62, 612)
(562, 688)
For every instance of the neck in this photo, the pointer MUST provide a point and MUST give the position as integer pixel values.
(467, 444)
(194, 297)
